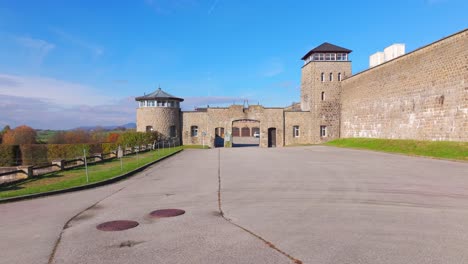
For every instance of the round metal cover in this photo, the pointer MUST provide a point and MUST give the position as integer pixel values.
(117, 225)
(167, 213)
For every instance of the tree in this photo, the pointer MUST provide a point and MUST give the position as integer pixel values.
(4, 130)
(77, 136)
(113, 137)
(20, 135)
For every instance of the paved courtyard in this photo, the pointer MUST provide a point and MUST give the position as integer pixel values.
(284, 205)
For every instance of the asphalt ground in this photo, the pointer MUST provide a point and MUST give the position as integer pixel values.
(255, 205)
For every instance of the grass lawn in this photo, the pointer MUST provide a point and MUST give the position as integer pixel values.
(436, 149)
(77, 177)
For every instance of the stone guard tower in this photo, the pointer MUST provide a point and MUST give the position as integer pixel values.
(324, 68)
(160, 112)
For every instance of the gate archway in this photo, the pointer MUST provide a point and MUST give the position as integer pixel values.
(243, 135)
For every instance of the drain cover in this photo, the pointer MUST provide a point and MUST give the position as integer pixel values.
(167, 213)
(117, 225)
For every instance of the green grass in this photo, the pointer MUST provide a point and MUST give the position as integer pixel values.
(45, 135)
(435, 149)
(77, 177)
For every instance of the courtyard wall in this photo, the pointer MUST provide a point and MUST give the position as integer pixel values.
(422, 95)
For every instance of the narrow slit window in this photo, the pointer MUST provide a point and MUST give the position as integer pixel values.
(339, 76)
(322, 96)
(322, 77)
(331, 76)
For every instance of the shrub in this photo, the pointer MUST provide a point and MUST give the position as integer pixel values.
(34, 154)
(9, 155)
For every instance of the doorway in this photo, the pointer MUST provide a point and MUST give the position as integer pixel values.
(272, 137)
(219, 137)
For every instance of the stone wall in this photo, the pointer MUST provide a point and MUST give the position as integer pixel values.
(207, 121)
(160, 118)
(422, 95)
(326, 111)
(301, 119)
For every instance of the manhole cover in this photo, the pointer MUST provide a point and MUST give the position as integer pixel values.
(167, 213)
(117, 225)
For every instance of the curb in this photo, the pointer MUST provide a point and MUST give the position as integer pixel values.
(88, 186)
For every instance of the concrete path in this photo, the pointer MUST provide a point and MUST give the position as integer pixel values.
(309, 204)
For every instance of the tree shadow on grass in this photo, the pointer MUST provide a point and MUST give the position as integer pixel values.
(18, 185)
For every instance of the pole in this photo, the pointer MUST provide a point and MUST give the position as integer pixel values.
(86, 165)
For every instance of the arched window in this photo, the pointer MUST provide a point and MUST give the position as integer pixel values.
(149, 128)
(194, 131)
(339, 76)
(323, 96)
(322, 77)
(331, 76)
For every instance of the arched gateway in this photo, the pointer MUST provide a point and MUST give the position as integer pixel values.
(242, 132)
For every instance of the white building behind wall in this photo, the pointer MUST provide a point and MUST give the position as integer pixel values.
(389, 53)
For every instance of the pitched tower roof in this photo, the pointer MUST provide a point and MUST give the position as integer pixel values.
(326, 48)
(158, 94)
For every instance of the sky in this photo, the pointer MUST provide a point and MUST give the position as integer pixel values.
(65, 64)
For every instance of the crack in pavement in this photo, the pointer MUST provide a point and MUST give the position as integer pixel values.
(67, 224)
(268, 243)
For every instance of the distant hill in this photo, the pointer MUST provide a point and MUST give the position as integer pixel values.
(127, 126)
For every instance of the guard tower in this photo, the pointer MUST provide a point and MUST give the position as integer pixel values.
(160, 112)
(324, 68)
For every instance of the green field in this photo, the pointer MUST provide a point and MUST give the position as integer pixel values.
(435, 149)
(77, 177)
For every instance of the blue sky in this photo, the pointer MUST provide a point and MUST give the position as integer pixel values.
(65, 64)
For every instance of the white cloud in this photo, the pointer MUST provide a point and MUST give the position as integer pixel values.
(39, 114)
(38, 48)
(51, 90)
(95, 49)
(202, 101)
(213, 6)
(166, 7)
(272, 68)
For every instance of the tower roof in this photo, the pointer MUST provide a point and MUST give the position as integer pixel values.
(326, 48)
(158, 94)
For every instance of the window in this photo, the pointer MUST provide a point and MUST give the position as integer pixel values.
(322, 77)
(235, 132)
(295, 131)
(173, 131)
(331, 77)
(323, 96)
(164, 103)
(341, 57)
(323, 131)
(149, 128)
(194, 131)
(339, 76)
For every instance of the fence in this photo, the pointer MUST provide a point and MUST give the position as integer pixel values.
(9, 175)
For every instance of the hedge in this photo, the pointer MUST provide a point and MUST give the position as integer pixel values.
(9, 155)
(35, 154)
